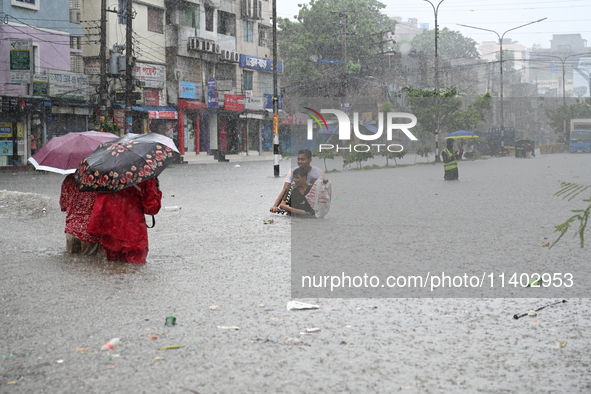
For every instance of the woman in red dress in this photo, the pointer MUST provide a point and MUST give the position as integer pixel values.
(118, 220)
(78, 206)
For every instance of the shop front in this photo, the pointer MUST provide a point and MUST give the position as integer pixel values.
(189, 121)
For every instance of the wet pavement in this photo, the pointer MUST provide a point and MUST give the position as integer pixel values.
(56, 310)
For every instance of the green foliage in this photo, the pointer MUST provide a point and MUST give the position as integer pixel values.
(107, 125)
(353, 68)
(424, 150)
(450, 44)
(332, 30)
(393, 155)
(356, 157)
(561, 114)
(326, 154)
(433, 109)
(468, 118)
(387, 107)
(571, 190)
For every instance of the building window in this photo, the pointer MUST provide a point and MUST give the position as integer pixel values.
(265, 82)
(76, 63)
(155, 20)
(191, 17)
(248, 31)
(75, 42)
(263, 36)
(75, 11)
(209, 18)
(32, 4)
(247, 80)
(226, 23)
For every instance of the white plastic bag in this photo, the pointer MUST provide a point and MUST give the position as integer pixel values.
(319, 197)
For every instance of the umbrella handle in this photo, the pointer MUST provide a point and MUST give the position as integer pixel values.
(153, 222)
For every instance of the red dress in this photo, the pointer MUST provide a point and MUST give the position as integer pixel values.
(118, 219)
(78, 206)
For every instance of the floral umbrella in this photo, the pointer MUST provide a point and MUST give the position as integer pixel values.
(126, 161)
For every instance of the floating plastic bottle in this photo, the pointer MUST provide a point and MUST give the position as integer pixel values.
(173, 208)
(111, 344)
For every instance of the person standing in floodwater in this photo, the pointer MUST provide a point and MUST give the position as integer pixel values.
(450, 163)
(118, 219)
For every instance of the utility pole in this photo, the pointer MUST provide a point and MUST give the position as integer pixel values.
(129, 66)
(103, 61)
(435, 12)
(276, 154)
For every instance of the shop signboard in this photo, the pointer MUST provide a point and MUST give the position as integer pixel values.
(5, 129)
(233, 102)
(212, 99)
(119, 118)
(40, 82)
(254, 103)
(20, 60)
(269, 99)
(259, 63)
(68, 85)
(20, 53)
(191, 90)
(162, 114)
(150, 75)
(93, 70)
(211, 84)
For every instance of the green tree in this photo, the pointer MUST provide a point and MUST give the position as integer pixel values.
(356, 157)
(559, 117)
(511, 76)
(326, 154)
(331, 30)
(468, 118)
(450, 44)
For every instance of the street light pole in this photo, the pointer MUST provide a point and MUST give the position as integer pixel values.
(563, 61)
(435, 11)
(501, 37)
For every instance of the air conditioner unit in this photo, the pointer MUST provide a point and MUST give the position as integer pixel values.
(226, 54)
(208, 45)
(235, 57)
(216, 48)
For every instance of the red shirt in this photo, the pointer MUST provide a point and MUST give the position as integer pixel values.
(78, 207)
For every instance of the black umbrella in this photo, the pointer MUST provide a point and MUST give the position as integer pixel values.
(124, 162)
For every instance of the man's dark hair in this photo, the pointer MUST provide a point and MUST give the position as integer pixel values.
(305, 152)
(300, 172)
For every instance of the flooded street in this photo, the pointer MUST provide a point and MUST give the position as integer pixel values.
(216, 266)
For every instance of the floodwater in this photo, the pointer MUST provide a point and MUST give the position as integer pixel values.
(56, 310)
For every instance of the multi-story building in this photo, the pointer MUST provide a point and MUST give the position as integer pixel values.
(220, 74)
(556, 69)
(42, 87)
